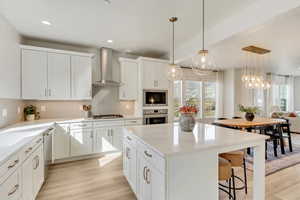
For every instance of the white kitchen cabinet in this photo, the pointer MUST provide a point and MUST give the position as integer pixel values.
(154, 74)
(130, 167)
(81, 142)
(103, 140)
(61, 142)
(33, 174)
(59, 74)
(117, 138)
(34, 74)
(11, 188)
(129, 79)
(81, 78)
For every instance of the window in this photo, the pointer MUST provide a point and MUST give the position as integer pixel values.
(280, 96)
(209, 99)
(200, 94)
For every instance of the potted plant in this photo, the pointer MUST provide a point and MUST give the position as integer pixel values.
(187, 117)
(29, 113)
(250, 112)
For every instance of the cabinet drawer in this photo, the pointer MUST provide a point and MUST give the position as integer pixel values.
(28, 149)
(10, 189)
(105, 123)
(81, 125)
(9, 166)
(133, 122)
(154, 158)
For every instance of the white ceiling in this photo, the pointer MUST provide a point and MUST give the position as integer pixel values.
(138, 25)
(281, 35)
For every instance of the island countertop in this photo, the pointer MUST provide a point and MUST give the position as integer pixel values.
(168, 139)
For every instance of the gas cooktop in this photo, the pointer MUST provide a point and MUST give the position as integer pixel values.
(108, 116)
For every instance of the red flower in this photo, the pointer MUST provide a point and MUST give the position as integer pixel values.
(188, 109)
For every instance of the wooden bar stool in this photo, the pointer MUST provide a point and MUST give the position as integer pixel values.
(225, 174)
(237, 159)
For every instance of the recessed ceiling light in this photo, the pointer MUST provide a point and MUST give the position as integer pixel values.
(110, 41)
(46, 23)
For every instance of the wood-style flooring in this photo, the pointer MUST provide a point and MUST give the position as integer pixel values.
(102, 179)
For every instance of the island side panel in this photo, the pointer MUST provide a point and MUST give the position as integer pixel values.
(192, 176)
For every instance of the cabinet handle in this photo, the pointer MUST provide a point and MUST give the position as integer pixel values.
(45, 92)
(49, 92)
(37, 160)
(148, 154)
(39, 141)
(28, 150)
(16, 187)
(128, 138)
(148, 171)
(144, 173)
(82, 125)
(128, 153)
(13, 165)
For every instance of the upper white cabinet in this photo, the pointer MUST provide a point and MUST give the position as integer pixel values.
(153, 74)
(34, 74)
(55, 74)
(58, 76)
(81, 77)
(129, 79)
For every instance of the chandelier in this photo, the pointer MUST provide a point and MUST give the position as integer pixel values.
(203, 62)
(253, 75)
(174, 72)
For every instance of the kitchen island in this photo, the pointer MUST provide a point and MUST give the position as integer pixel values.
(163, 163)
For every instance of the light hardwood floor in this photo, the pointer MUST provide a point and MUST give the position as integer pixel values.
(102, 179)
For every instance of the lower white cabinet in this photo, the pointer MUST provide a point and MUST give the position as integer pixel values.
(61, 142)
(130, 165)
(33, 174)
(11, 188)
(108, 139)
(81, 142)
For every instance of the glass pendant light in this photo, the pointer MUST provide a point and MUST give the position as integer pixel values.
(203, 62)
(174, 72)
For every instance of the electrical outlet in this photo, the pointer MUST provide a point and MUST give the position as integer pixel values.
(19, 109)
(4, 113)
(43, 108)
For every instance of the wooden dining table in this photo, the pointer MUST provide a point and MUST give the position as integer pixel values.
(244, 124)
(248, 126)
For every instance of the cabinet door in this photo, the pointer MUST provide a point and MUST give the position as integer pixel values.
(103, 142)
(161, 77)
(81, 78)
(34, 74)
(38, 170)
(27, 179)
(61, 142)
(144, 188)
(148, 78)
(154, 75)
(11, 188)
(129, 79)
(117, 138)
(59, 71)
(126, 160)
(157, 183)
(132, 168)
(81, 142)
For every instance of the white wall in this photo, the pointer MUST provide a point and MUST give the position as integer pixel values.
(9, 74)
(229, 92)
(297, 93)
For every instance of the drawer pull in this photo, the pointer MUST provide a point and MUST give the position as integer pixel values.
(37, 162)
(28, 150)
(144, 173)
(39, 141)
(128, 138)
(82, 125)
(148, 154)
(13, 165)
(147, 176)
(16, 187)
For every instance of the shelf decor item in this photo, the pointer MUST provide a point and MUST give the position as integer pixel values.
(187, 117)
(29, 113)
(250, 112)
(88, 111)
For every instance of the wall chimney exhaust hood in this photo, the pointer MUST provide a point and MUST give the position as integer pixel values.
(106, 69)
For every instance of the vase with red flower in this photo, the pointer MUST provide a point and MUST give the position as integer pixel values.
(187, 117)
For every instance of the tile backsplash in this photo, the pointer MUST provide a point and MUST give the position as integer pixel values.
(11, 111)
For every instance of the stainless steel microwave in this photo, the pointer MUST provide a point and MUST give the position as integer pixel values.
(155, 98)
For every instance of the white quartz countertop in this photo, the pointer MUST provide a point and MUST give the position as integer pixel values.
(168, 139)
(16, 136)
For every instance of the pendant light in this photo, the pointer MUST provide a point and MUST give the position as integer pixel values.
(174, 72)
(202, 63)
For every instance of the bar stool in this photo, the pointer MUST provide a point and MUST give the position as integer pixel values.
(237, 159)
(225, 174)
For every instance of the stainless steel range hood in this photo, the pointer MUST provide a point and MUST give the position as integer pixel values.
(106, 69)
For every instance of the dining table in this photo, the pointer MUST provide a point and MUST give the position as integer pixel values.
(249, 126)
